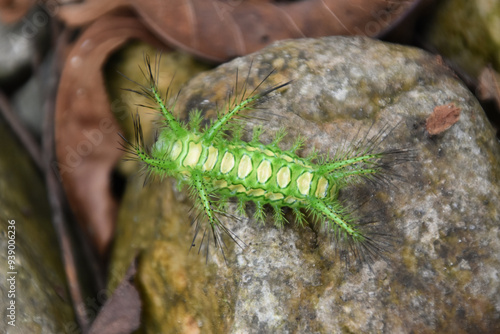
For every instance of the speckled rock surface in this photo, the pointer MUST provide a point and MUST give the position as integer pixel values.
(442, 273)
(42, 303)
(468, 33)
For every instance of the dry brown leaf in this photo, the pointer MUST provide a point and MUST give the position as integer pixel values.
(220, 30)
(82, 13)
(442, 118)
(121, 314)
(86, 131)
(13, 10)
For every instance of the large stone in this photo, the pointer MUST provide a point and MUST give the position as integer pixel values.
(440, 275)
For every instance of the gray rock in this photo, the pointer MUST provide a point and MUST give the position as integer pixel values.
(440, 275)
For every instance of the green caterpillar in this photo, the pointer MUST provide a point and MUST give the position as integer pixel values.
(217, 166)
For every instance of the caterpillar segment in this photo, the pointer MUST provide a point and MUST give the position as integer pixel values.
(216, 166)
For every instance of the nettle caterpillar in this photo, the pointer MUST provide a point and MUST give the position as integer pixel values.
(217, 166)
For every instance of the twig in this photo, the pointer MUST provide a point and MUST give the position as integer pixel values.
(55, 193)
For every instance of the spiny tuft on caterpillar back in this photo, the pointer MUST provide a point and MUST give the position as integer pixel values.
(217, 165)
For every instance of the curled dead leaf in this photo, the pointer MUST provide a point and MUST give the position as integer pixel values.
(219, 30)
(78, 14)
(85, 129)
(121, 314)
(442, 118)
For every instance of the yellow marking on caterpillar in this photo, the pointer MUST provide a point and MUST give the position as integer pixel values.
(264, 171)
(238, 188)
(227, 163)
(176, 150)
(283, 177)
(245, 166)
(290, 200)
(194, 152)
(220, 184)
(322, 187)
(256, 192)
(269, 153)
(274, 196)
(287, 158)
(213, 154)
(304, 183)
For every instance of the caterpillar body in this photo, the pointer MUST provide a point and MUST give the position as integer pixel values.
(217, 165)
